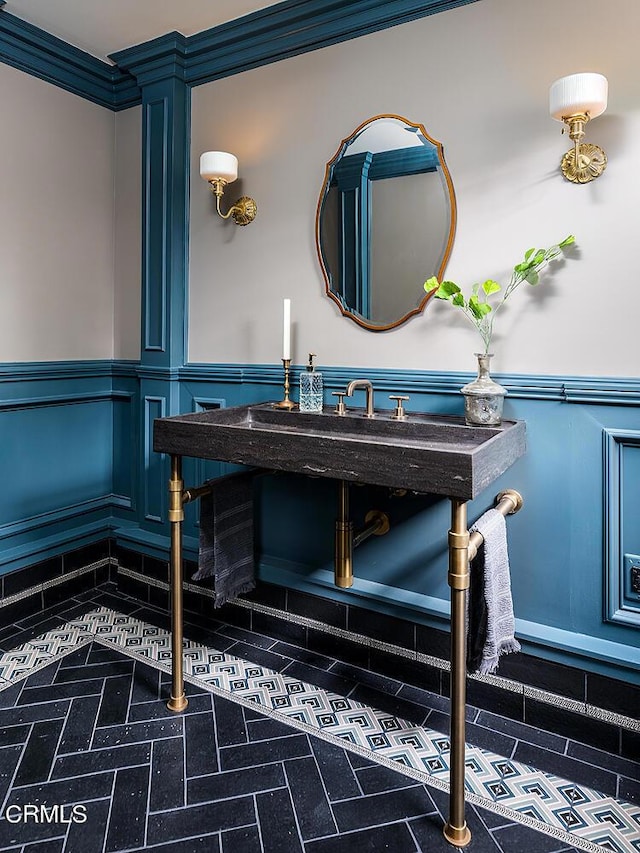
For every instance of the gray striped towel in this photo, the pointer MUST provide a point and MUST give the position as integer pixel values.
(490, 619)
(226, 537)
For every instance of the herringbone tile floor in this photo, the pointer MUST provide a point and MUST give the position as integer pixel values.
(91, 730)
(92, 761)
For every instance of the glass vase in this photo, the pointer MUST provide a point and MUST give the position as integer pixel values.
(483, 398)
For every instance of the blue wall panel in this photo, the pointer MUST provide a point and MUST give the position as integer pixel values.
(47, 460)
(630, 526)
(154, 223)
(125, 448)
(60, 423)
(622, 532)
(155, 480)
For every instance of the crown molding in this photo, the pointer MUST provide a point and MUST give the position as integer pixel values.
(294, 27)
(30, 49)
(277, 32)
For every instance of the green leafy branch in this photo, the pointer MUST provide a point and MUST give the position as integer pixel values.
(477, 308)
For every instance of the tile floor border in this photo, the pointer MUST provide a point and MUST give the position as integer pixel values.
(548, 698)
(142, 641)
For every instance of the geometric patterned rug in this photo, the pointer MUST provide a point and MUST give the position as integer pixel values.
(571, 813)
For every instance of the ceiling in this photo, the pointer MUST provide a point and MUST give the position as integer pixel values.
(101, 28)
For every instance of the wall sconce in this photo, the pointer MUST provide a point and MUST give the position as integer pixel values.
(220, 169)
(574, 100)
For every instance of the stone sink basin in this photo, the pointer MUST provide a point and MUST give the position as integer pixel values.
(437, 454)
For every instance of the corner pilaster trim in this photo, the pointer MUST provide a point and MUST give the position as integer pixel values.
(158, 59)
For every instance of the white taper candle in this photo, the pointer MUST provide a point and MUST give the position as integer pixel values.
(286, 330)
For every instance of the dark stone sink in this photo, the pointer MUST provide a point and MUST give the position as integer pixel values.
(436, 454)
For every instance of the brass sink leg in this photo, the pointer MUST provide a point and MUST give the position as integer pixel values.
(343, 560)
(178, 700)
(456, 830)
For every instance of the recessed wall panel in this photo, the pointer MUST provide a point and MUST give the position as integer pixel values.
(155, 225)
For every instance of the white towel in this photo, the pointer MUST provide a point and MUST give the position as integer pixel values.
(490, 623)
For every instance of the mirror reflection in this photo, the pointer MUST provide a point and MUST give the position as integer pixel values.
(385, 221)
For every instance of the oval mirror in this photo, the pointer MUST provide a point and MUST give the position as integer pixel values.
(385, 221)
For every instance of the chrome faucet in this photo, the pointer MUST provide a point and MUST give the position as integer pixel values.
(368, 387)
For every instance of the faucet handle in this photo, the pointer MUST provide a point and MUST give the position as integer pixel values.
(340, 408)
(399, 413)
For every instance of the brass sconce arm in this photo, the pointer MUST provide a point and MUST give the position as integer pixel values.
(585, 161)
(243, 211)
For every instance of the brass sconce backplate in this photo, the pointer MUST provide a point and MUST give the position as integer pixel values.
(590, 163)
(244, 210)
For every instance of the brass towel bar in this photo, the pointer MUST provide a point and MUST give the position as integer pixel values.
(507, 503)
(195, 492)
(463, 546)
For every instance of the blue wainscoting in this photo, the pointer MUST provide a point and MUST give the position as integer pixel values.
(68, 443)
(572, 546)
(79, 465)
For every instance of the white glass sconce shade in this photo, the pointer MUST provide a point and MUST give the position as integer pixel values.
(578, 94)
(218, 166)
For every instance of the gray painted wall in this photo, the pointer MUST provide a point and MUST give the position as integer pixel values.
(71, 255)
(478, 78)
(128, 228)
(56, 223)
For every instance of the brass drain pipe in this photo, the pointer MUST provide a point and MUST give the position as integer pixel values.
(343, 558)
(376, 524)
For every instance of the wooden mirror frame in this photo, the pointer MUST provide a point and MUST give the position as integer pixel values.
(448, 188)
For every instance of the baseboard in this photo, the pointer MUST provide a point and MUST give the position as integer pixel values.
(33, 589)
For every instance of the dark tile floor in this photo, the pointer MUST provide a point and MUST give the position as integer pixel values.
(92, 730)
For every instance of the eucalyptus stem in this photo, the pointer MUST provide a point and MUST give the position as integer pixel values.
(477, 308)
